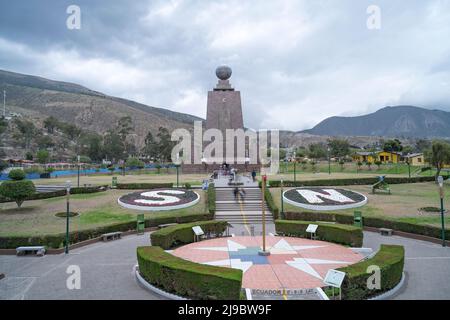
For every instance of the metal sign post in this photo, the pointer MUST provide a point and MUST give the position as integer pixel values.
(263, 252)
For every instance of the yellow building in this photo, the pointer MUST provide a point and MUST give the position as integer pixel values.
(415, 159)
(382, 156)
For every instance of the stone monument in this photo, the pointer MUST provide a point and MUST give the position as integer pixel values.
(224, 111)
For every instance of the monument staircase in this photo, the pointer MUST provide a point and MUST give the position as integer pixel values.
(246, 209)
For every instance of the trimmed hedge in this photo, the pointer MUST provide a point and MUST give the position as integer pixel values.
(430, 231)
(390, 259)
(60, 193)
(186, 278)
(338, 233)
(211, 199)
(271, 203)
(142, 186)
(171, 236)
(56, 241)
(349, 181)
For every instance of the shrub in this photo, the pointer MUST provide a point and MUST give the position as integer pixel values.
(390, 260)
(186, 278)
(56, 240)
(271, 203)
(182, 233)
(16, 174)
(133, 162)
(338, 233)
(349, 181)
(425, 230)
(142, 186)
(17, 190)
(211, 198)
(187, 185)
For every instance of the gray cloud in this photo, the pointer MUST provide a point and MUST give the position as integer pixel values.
(295, 62)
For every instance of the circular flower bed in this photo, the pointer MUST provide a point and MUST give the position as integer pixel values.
(159, 199)
(324, 198)
(64, 214)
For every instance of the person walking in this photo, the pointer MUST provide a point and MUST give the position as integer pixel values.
(236, 192)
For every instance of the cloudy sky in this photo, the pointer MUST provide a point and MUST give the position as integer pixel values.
(295, 62)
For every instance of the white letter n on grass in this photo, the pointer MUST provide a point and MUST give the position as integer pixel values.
(330, 194)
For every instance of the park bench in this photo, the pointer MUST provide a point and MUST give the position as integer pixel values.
(111, 236)
(385, 232)
(37, 250)
(166, 225)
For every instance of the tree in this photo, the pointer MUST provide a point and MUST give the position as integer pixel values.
(3, 125)
(134, 162)
(113, 145)
(44, 142)
(3, 165)
(422, 145)
(124, 127)
(150, 148)
(392, 146)
(29, 156)
(165, 144)
(92, 146)
(17, 189)
(438, 155)
(339, 148)
(317, 151)
(50, 124)
(27, 131)
(42, 156)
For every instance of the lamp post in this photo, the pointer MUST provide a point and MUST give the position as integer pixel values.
(441, 195)
(78, 176)
(295, 176)
(282, 202)
(263, 252)
(177, 166)
(329, 162)
(409, 168)
(68, 185)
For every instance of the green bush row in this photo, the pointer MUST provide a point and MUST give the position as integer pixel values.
(211, 199)
(171, 236)
(374, 222)
(390, 259)
(142, 186)
(271, 203)
(338, 233)
(60, 193)
(348, 181)
(55, 241)
(186, 278)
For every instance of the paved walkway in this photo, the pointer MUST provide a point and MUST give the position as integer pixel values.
(106, 271)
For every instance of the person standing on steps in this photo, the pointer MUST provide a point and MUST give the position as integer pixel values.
(254, 175)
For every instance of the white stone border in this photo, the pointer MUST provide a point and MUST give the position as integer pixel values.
(160, 208)
(325, 207)
(143, 283)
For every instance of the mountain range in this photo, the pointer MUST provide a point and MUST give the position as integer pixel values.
(37, 98)
(399, 121)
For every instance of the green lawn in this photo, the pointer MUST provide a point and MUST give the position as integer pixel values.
(402, 205)
(99, 209)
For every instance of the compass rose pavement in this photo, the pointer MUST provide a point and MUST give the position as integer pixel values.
(293, 263)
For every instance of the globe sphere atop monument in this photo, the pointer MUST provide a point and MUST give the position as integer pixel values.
(223, 72)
